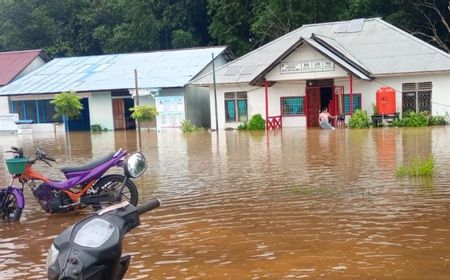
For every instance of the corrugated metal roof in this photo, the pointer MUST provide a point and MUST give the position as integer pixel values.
(159, 69)
(12, 63)
(379, 47)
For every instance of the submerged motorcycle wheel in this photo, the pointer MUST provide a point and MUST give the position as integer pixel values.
(111, 184)
(11, 211)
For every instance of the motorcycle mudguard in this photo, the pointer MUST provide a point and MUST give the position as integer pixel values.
(16, 192)
(20, 198)
(124, 264)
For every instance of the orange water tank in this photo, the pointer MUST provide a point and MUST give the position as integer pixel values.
(386, 101)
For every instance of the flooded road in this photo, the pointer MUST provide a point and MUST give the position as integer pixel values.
(296, 204)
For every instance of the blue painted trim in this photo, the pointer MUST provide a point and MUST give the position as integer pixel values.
(44, 111)
(25, 110)
(37, 111)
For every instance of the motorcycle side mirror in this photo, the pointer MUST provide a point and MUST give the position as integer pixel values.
(135, 165)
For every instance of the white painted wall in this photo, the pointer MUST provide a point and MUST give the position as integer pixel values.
(304, 53)
(256, 100)
(4, 105)
(440, 97)
(100, 109)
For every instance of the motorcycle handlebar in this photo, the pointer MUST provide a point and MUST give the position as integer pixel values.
(50, 159)
(149, 205)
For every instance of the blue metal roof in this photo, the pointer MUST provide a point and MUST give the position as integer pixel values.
(159, 69)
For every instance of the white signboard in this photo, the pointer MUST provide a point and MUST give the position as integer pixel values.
(170, 111)
(306, 66)
(7, 122)
(144, 92)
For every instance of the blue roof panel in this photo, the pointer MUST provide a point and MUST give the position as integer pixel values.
(160, 69)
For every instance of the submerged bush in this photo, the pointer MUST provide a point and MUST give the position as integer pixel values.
(187, 126)
(413, 119)
(98, 128)
(418, 168)
(256, 122)
(359, 119)
(437, 120)
(243, 126)
(421, 119)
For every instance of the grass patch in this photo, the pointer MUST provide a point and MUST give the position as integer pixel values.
(418, 168)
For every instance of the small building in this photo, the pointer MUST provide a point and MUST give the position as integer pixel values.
(338, 65)
(106, 84)
(15, 65)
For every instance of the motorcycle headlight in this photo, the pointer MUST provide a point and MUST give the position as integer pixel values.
(52, 256)
(135, 165)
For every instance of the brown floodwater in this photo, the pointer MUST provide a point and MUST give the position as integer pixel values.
(292, 204)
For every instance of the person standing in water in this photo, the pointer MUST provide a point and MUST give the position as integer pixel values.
(324, 119)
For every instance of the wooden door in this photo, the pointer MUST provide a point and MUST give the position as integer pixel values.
(118, 114)
(313, 106)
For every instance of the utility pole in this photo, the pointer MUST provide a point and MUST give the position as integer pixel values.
(136, 103)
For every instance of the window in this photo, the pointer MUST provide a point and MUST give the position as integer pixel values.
(18, 107)
(356, 102)
(236, 106)
(416, 97)
(46, 111)
(40, 111)
(292, 106)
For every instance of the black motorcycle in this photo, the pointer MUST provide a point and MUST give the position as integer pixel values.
(91, 249)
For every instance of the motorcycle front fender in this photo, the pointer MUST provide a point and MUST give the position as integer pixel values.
(16, 192)
(20, 197)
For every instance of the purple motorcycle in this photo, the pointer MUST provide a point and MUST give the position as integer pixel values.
(85, 185)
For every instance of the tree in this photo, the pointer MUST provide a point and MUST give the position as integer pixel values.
(67, 106)
(183, 39)
(25, 25)
(275, 18)
(143, 113)
(230, 25)
(436, 29)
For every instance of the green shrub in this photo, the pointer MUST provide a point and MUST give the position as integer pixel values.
(437, 120)
(256, 122)
(187, 126)
(98, 128)
(243, 126)
(359, 119)
(421, 119)
(413, 119)
(418, 168)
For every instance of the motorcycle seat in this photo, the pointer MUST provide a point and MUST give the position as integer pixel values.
(87, 166)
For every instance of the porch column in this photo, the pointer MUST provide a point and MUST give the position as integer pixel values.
(266, 86)
(351, 94)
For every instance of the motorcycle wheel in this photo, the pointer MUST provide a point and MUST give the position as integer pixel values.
(111, 184)
(10, 210)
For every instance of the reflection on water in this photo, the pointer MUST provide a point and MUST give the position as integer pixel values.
(294, 204)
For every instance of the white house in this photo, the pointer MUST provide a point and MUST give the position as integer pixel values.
(106, 84)
(339, 65)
